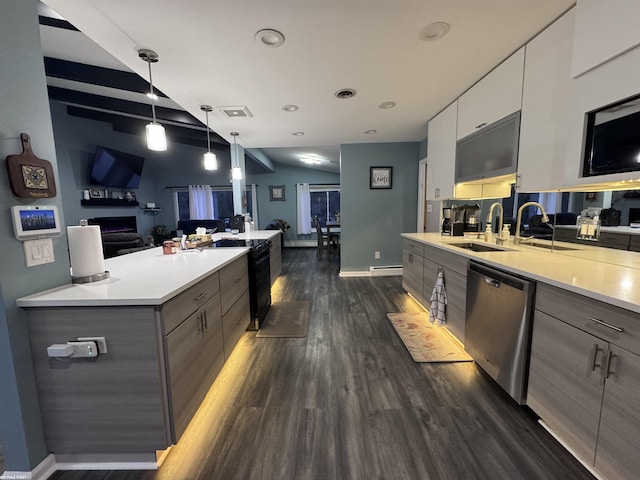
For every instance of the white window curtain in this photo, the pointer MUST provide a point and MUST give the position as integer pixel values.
(548, 201)
(201, 202)
(254, 204)
(304, 208)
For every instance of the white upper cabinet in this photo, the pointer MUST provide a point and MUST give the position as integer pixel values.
(546, 98)
(495, 96)
(604, 29)
(441, 153)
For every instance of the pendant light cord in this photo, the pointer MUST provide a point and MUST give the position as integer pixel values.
(208, 139)
(153, 101)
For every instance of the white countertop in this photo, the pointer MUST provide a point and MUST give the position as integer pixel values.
(592, 271)
(146, 277)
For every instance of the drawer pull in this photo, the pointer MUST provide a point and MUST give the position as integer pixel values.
(608, 325)
(200, 324)
(204, 316)
(200, 297)
(594, 357)
(483, 124)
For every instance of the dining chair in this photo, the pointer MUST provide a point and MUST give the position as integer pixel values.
(330, 242)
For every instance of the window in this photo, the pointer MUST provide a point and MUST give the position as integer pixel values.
(222, 203)
(325, 203)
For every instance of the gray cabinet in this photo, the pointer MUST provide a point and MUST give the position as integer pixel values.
(455, 280)
(584, 378)
(194, 356)
(275, 257)
(412, 268)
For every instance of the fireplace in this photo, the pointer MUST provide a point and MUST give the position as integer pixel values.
(115, 224)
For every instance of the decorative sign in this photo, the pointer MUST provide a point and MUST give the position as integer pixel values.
(276, 193)
(380, 177)
(30, 176)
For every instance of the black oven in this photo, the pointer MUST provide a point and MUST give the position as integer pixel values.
(259, 276)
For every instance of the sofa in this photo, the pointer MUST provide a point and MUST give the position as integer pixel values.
(189, 226)
(121, 243)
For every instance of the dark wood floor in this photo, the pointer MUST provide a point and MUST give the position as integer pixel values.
(348, 402)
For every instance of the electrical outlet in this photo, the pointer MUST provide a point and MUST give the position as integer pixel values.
(101, 342)
(84, 349)
(429, 208)
(376, 255)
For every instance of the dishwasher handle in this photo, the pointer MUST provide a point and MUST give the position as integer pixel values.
(493, 282)
(498, 278)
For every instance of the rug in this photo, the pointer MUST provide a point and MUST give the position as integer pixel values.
(286, 319)
(426, 342)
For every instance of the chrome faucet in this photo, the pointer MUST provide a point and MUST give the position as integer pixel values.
(545, 218)
(500, 218)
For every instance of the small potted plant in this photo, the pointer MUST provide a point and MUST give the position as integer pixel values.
(159, 233)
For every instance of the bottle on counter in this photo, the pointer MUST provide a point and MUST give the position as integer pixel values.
(488, 234)
(506, 233)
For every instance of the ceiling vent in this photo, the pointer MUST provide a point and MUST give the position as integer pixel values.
(238, 111)
(345, 93)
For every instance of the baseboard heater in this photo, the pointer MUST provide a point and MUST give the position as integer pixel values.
(385, 270)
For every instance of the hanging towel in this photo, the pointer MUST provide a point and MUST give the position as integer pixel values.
(438, 301)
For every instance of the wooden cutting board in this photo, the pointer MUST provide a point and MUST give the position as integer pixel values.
(30, 176)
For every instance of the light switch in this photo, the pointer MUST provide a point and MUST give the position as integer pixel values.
(38, 252)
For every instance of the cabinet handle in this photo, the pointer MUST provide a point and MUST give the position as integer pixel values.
(200, 297)
(608, 325)
(200, 324)
(607, 367)
(594, 357)
(483, 124)
(204, 316)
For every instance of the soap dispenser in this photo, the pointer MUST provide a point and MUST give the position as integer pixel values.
(488, 234)
(506, 233)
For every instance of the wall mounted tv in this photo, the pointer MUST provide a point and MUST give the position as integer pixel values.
(115, 169)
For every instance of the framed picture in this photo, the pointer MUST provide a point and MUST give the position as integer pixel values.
(96, 193)
(276, 193)
(380, 177)
(590, 196)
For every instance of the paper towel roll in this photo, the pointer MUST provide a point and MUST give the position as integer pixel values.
(85, 250)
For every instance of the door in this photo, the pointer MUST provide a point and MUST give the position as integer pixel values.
(617, 451)
(423, 205)
(564, 382)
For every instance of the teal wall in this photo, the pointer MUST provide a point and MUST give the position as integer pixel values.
(288, 176)
(374, 219)
(25, 108)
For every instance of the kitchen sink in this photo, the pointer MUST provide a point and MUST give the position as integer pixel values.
(479, 247)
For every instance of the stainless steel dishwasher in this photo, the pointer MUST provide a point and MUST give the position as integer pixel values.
(498, 326)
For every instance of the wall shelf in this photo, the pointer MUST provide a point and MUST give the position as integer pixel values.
(152, 211)
(108, 202)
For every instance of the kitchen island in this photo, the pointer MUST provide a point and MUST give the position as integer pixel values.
(584, 368)
(169, 321)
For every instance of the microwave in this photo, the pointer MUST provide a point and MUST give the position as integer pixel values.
(612, 140)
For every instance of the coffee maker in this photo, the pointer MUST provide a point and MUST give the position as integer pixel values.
(446, 221)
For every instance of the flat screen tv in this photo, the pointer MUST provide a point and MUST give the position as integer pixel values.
(115, 169)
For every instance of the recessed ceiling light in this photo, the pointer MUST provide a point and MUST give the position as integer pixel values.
(387, 105)
(345, 93)
(290, 108)
(298, 134)
(269, 37)
(434, 31)
(371, 132)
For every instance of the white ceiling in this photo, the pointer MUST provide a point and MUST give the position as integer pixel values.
(208, 55)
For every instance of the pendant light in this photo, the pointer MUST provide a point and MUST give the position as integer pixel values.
(236, 172)
(156, 136)
(209, 159)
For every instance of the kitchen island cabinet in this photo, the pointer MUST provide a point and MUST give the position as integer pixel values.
(584, 378)
(167, 340)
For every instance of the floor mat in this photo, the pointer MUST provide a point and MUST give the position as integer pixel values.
(286, 319)
(425, 341)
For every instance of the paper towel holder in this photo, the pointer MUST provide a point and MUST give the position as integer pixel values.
(90, 278)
